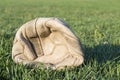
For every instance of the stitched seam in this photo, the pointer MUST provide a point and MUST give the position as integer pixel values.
(74, 63)
(67, 56)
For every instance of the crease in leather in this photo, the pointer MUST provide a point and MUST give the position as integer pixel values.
(39, 39)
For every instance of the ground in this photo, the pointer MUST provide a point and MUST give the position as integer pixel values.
(95, 22)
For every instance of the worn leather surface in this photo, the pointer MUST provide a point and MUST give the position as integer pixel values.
(48, 41)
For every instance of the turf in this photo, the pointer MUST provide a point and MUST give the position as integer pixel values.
(95, 22)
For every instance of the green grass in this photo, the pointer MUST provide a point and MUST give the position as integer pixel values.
(95, 22)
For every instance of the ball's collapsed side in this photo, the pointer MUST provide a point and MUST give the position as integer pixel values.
(49, 41)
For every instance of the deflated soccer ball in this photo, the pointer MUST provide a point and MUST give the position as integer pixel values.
(48, 41)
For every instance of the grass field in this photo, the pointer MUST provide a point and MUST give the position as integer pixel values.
(95, 22)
